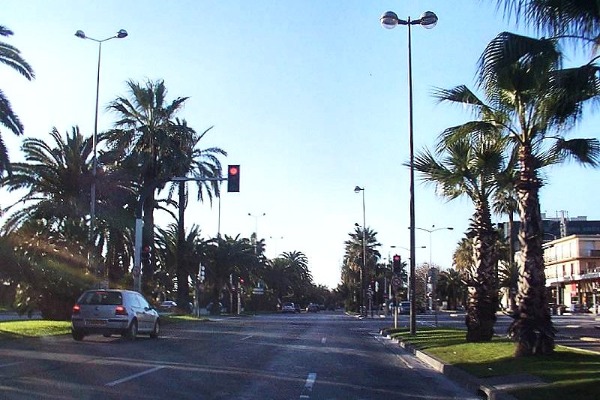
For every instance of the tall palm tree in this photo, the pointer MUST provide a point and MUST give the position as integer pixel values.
(356, 268)
(532, 102)
(145, 135)
(506, 203)
(170, 273)
(469, 166)
(55, 177)
(575, 18)
(11, 56)
(204, 167)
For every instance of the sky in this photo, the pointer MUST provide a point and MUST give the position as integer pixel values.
(309, 97)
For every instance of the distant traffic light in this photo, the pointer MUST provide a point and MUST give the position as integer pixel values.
(396, 261)
(233, 178)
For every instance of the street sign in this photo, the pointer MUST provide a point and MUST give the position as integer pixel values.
(258, 290)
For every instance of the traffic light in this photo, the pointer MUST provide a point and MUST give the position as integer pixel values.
(202, 273)
(233, 178)
(146, 254)
(396, 260)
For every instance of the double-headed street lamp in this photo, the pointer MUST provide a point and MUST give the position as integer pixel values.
(430, 231)
(428, 20)
(358, 189)
(120, 35)
(433, 301)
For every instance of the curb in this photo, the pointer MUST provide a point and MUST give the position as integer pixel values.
(456, 374)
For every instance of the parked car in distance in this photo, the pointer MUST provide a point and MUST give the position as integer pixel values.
(216, 308)
(288, 308)
(167, 305)
(404, 307)
(313, 308)
(108, 312)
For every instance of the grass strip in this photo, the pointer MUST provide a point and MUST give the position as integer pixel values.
(568, 372)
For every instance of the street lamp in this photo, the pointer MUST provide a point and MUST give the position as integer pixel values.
(358, 189)
(80, 34)
(256, 217)
(433, 301)
(390, 20)
(430, 231)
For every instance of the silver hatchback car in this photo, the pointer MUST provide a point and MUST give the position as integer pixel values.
(108, 312)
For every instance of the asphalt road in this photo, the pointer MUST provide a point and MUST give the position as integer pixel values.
(305, 356)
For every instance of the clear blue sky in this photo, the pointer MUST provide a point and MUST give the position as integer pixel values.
(309, 96)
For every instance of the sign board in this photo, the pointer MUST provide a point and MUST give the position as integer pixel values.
(258, 290)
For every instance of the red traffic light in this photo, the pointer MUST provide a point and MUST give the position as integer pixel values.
(233, 178)
(396, 264)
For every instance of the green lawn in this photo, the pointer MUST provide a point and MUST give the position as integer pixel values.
(40, 328)
(568, 373)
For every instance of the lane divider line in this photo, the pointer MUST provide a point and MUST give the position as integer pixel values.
(134, 376)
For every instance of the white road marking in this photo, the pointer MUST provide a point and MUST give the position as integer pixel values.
(308, 386)
(131, 377)
(323, 340)
(247, 337)
(11, 364)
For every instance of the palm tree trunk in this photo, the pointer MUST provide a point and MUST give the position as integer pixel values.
(532, 327)
(483, 300)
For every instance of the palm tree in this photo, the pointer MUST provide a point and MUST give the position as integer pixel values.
(226, 260)
(288, 276)
(450, 285)
(172, 270)
(470, 166)
(185, 159)
(506, 202)
(532, 101)
(11, 56)
(574, 18)
(145, 135)
(356, 269)
(55, 179)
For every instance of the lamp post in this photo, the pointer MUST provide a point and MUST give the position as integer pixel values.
(358, 189)
(428, 20)
(433, 301)
(256, 217)
(80, 34)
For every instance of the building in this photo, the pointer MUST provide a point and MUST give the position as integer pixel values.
(572, 267)
(572, 259)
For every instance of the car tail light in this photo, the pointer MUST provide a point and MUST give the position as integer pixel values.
(120, 310)
(76, 309)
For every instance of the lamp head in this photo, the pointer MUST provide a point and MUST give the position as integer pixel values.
(389, 20)
(80, 34)
(123, 33)
(357, 189)
(428, 19)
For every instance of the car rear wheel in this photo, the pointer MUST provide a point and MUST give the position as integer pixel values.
(132, 331)
(77, 335)
(156, 331)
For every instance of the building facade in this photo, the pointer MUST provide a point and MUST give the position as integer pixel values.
(572, 267)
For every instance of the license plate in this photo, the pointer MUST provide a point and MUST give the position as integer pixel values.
(96, 322)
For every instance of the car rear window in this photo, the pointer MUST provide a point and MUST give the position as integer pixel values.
(102, 298)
